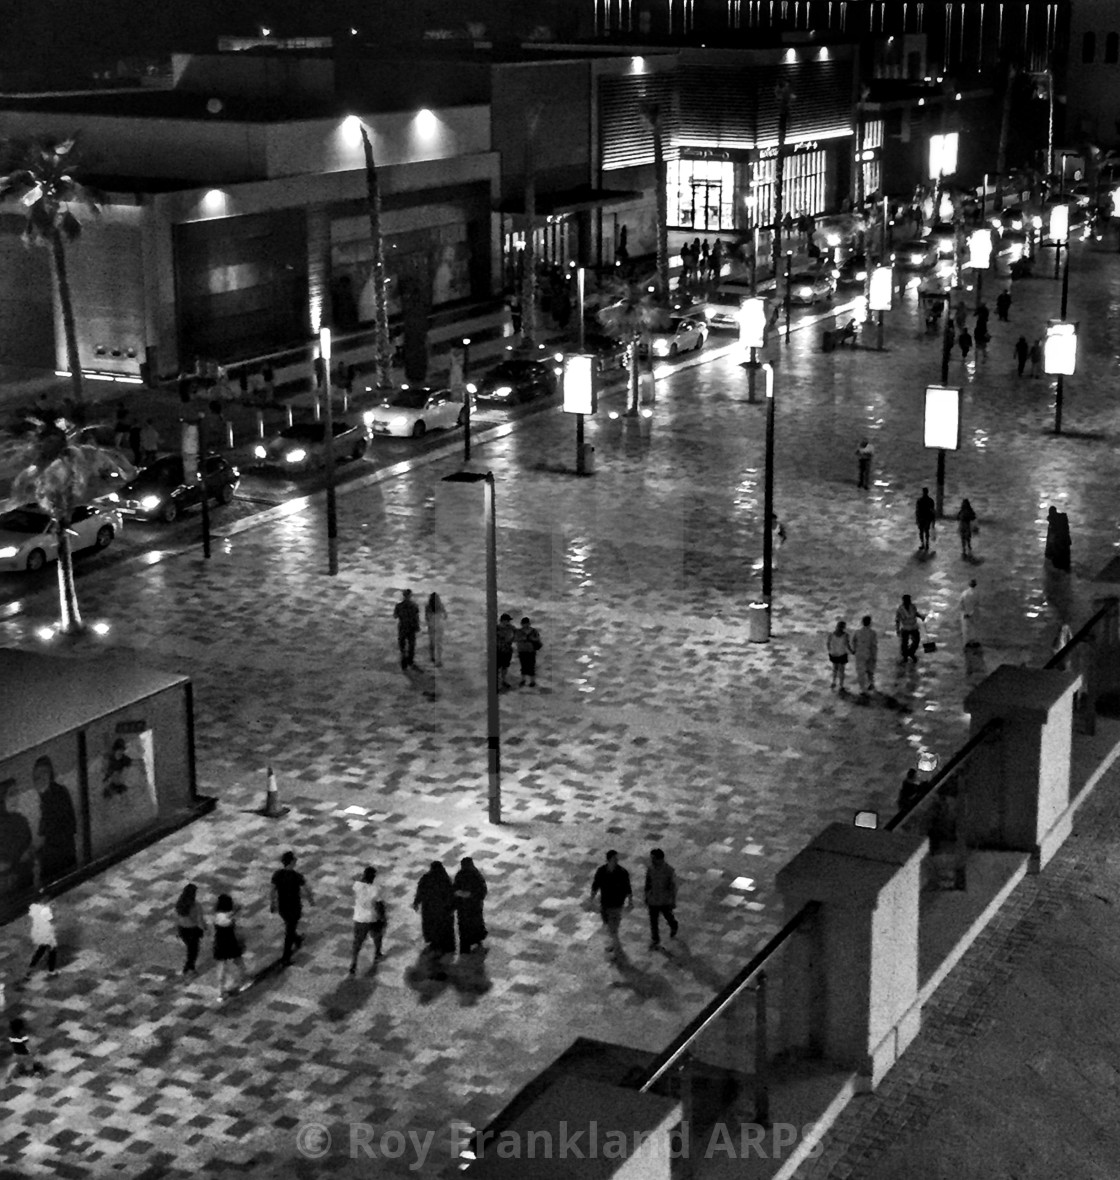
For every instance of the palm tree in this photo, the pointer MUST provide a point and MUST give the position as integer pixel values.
(61, 470)
(652, 113)
(41, 179)
(528, 256)
(631, 314)
(382, 342)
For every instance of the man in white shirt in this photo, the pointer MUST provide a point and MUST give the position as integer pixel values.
(865, 651)
(369, 916)
(970, 614)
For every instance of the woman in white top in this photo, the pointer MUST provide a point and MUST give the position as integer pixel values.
(369, 916)
(43, 935)
(436, 616)
(839, 646)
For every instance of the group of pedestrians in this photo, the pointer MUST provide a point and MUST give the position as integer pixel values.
(526, 641)
(446, 905)
(611, 885)
(1028, 352)
(701, 262)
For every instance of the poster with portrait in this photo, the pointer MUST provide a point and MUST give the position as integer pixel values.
(122, 788)
(41, 821)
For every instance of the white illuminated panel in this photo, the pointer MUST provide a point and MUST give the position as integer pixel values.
(752, 322)
(579, 384)
(943, 418)
(882, 289)
(1059, 350)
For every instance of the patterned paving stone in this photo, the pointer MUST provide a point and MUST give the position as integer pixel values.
(656, 722)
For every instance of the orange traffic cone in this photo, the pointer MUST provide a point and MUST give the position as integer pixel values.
(272, 808)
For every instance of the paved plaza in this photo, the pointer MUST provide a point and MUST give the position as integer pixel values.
(656, 722)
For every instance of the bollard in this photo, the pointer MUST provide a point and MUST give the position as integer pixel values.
(229, 435)
(288, 407)
(588, 459)
(260, 424)
(318, 409)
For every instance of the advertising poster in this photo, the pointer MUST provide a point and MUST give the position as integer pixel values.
(122, 790)
(40, 818)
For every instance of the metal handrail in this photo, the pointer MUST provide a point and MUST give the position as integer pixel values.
(723, 999)
(1063, 654)
(986, 731)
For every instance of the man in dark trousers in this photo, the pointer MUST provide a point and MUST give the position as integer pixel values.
(289, 888)
(612, 884)
(661, 897)
(407, 614)
(1003, 305)
(925, 513)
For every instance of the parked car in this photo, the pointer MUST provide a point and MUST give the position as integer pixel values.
(943, 238)
(516, 380)
(852, 272)
(413, 410)
(609, 351)
(684, 334)
(303, 446)
(160, 491)
(807, 288)
(29, 538)
(917, 254)
(720, 311)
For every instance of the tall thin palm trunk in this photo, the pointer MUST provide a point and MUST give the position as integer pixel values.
(382, 342)
(652, 112)
(784, 95)
(62, 280)
(70, 616)
(1004, 130)
(529, 255)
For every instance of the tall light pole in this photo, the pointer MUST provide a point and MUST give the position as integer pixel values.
(473, 479)
(466, 400)
(768, 502)
(328, 448)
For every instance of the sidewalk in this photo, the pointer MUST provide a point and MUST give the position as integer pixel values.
(657, 724)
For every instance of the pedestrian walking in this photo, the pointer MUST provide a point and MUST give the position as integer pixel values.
(369, 916)
(865, 452)
(228, 947)
(865, 650)
(1022, 353)
(660, 897)
(969, 607)
(435, 615)
(149, 443)
(1003, 305)
(470, 894)
(24, 1063)
(1059, 546)
(906, 620)
(506, 635)
(960, 316)
(717, 260)
(982, 314)
(925, 514)
(982, 338)
(1036, 358)
(407, 614)
(435, 902)
(705, 263)
(686, 264)
(122, 428)
(527, 640)
(44, 937)
(966, 526)
(289, 888)
(190, 925)
(612, 884)
(965, 342)
(839, 645)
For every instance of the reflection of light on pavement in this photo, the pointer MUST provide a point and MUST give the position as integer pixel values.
(662, 371)
(11, 608)
(101, 627)
(45, 634)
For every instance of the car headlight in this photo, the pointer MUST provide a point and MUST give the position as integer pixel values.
(9, 551)
(861, 276)
(112, 497)
(235, 472)
(399, 420)
(502, 391)
(803, 292)
(471, 387)
(260, 453)
(150, 503)
(1035, 221)
(660, 347)
(367, 417)
(296, 456)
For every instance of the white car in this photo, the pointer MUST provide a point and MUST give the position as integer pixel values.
(29, 538)
(683, 335)
(413, 410)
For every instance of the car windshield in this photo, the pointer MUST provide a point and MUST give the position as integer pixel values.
(408, 399)
(804, 277)
(305, 432)
(24, 520)
(169, 469)
(511, 370)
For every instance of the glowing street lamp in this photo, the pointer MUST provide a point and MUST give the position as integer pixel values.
(1059, 359)
(980, 257)
(942, 429)
(1059, 234)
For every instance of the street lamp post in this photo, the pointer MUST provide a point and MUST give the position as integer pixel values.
(752, 336)
(768, 503)
(466, 400)
(942, 429)
(493, 717)
(789, 269)
(328, 447)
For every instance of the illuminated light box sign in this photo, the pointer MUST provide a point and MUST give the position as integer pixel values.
(943, 417)
(752, 322)
(580, 394)
(882, 288)
(980, 249)
(1059, 350)
(1059, 223)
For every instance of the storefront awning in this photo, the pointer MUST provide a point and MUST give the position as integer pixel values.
(571, 200)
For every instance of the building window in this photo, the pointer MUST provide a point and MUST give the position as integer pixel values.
(1112, 49)
(1088, 48)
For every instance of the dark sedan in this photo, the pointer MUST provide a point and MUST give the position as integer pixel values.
(609, 351)
(515, 381)
(304, 445)
(161, 492)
